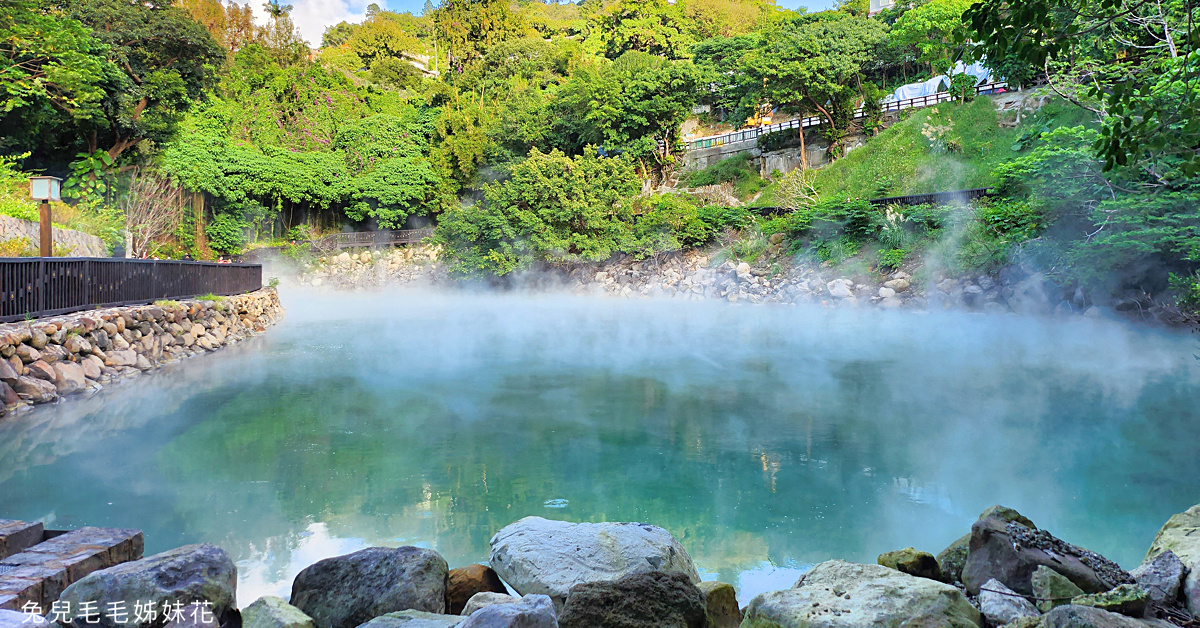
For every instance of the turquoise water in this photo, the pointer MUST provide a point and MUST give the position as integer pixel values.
(766, 439)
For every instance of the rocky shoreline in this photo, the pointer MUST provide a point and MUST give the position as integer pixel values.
(548, 574)
(775, 277)
(50, 358)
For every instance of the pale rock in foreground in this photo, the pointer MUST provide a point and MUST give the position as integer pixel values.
(273, 612)
(414, 619)
(536, 555)
(486, 598)
(1180, 534)
(531, 611)
(838, 594)
(1001, 605)
(193, 573)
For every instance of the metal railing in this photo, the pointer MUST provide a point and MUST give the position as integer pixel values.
(370, 239)
(45, 286)
(746, 135)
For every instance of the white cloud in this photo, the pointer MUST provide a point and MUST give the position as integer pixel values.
(313, 16)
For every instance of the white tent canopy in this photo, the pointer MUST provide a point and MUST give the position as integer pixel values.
(940, 82)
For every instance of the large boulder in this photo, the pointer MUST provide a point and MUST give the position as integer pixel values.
(1180, 534)
(720, 601)
(654, 599)
(1071, 616)
(414, 619)
(346, 591)
(536, 555)
(952, 559)
(1010, 552)
(912, 562)
(531, 611)
(465, 582)
(1001, 605)
(838, 594)
(1161, 576)
(273, 612)
(69, 378)
(35, 390)
(1052, 589)
(193, 573)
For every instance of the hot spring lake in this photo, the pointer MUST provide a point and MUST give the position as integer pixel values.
(764, 438)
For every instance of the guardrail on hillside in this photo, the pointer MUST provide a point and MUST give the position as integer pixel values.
(932, 198)
(370, 239)
(895, 105)
(46, 286)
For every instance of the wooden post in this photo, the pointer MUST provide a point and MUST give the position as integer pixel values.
(47, 238)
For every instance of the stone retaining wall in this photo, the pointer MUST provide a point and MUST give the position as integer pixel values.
(52, 357)
(80, 244)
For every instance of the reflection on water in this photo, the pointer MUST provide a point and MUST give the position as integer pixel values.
(765, 439)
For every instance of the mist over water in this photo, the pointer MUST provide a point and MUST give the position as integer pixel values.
(765, 438)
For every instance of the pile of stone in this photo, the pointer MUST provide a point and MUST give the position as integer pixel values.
(546, 574)
(373, 269)
(63, 355)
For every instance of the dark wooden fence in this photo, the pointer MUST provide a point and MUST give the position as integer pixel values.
(933, 198)
(370, 239)
(45, 286)
(747, 135)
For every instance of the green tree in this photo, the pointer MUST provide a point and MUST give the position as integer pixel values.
(168, 59)
(936, 29)
(338, 34)
(652, 26)
(552, 209)
(814, 64)
(1136, 65)
(469, 27)
(52, 72)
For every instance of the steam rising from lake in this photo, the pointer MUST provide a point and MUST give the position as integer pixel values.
(765, 438)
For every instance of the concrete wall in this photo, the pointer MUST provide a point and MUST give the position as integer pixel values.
(81, 244)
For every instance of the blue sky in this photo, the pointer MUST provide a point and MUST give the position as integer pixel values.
(312, 16)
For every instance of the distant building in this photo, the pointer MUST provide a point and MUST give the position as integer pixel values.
(880, 5)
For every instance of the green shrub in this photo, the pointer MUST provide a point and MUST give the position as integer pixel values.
(720, 218)
(892, 258)
(735, 170)
(226, 234)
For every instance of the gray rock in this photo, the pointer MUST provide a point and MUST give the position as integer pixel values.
(1052, 589)
(912, 562)
(838, 594)
(1180, 534)
(641, 600)
(17, 619)
(35, 390)
(192, 573)
(7, 373)
(952, 559)
(486, 598)
(1191, 589)
(536, 555)
(531, 611)
(1009, 552)
(414, 619)
(1161, 576)
(1001, 605)
(1071, 616)
(69, 377)
(720, 601)
(273, 612)
(346, 591)
(194, 615)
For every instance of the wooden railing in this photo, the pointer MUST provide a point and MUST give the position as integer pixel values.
(746, 135)
(932, 198)
(370, 239)
(45, 286)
